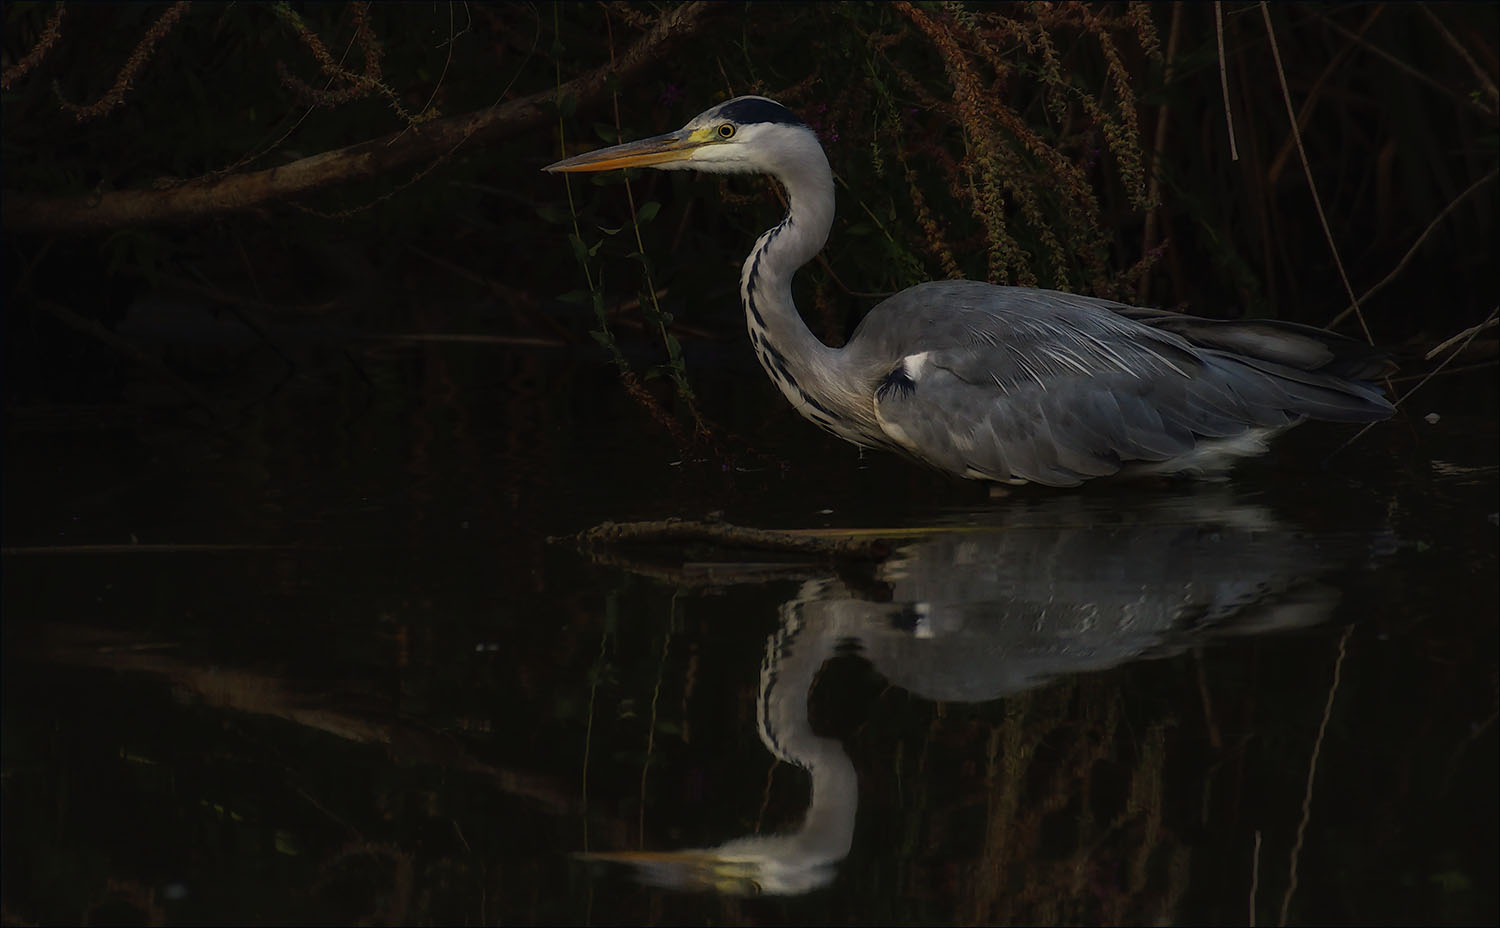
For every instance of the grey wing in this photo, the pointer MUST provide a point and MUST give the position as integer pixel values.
(1069, 392)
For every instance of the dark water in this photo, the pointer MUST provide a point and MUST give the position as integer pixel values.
(316, 661)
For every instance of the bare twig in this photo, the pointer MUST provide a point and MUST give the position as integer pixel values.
(1215, 740)
(1490, 90)
(1234, 151)
(447, 62)
(357, 86)
(1411, 252)
(210, 292)
(141, 549)
(1254, 877)
(50, 34)
(1312, 772)
(661, 667)
(1315, 92)
(1472, 332)
(115, 95)
(1159, 143)
(397, 189)
(652, 311)
(1447, 371)
(1467, 335)
(1291, 112)
(261, 149)
(198, 199)
(124, 346)
(595, 675)
(1414, 73)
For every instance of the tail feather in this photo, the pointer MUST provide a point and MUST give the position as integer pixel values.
(1316, 394)
(1311, 372)
(1286, 343)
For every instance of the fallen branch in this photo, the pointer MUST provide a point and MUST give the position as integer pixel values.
(723, 533)
(198, 198)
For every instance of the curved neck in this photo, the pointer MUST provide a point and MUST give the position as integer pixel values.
(791, 243)
(794, 656)
(797, 362)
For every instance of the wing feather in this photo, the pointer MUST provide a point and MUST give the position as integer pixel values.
(1053, 388)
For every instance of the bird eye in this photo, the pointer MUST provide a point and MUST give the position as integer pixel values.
(726, 131)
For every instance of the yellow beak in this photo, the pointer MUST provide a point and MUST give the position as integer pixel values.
(659, 149)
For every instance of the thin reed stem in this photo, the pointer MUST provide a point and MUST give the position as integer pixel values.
(1312, 185)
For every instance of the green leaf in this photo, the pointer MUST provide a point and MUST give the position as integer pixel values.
(1452, 881)
(577, 297)
(580, 250)
(608, 134)
(554, 214)
(647, 212)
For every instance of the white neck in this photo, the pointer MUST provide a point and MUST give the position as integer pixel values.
(797, 362)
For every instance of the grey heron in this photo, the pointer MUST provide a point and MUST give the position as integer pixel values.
(1000, 383)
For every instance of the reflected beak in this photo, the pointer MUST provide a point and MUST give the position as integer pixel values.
(695, 869)
(659, 149)
(644, 857)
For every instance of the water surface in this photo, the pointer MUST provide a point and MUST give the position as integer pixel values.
(314, 659)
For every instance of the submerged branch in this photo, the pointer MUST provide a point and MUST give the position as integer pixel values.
(709, 578)
(236, 689)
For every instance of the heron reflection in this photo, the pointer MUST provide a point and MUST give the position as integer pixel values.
(1063, 586)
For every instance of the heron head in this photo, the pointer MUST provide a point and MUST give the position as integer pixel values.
(743, 135)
